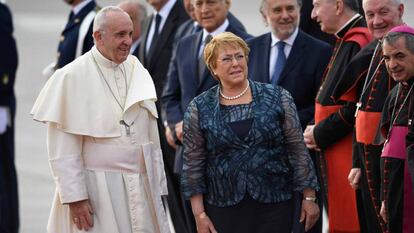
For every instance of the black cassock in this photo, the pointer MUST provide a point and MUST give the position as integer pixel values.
(334, 123)
(9, 210)
(366, 82)
(396, 184)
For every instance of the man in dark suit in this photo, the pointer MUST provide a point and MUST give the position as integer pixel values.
(288, 57)
(155, 53)
(9, 207)
(192, 26)
(187, 74)
(305, 57)
(138, 13)
(76, 39)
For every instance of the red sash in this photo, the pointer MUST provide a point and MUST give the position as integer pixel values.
(366, 125)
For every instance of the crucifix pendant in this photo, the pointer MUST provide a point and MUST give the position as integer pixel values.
(358, 105)
(127, 127)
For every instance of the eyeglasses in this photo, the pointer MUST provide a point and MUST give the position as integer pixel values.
(229, 59)
(198, 4)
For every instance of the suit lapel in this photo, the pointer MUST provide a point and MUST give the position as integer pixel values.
(193, 56)
(265, 47)
(142, 47)
(195, 47)
(298, 49)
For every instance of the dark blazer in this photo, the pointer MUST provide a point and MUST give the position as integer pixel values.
(302, 73)
(268, 164)
(183, 83)
(69, 36)
(157, 65)
(9, 207)
(157, 61)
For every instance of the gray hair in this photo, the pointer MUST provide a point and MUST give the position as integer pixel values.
(393, 2)
(100, 21)
(392, 37)
(263, 5)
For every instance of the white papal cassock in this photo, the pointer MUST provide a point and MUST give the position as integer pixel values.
(93, 156)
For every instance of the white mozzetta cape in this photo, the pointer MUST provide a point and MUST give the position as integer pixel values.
(71, 97)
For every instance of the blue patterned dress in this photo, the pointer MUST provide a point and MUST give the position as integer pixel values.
(249, 156)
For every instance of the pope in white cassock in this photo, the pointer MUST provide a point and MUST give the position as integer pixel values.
(102, 138)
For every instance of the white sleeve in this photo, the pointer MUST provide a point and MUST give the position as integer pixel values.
(66, 163)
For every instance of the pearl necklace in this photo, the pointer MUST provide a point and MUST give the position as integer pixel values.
(236, 96)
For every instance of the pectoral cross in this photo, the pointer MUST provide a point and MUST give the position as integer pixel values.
(127, 127)
(358, 105)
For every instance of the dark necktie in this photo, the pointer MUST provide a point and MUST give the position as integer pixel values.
(280, 62)
(70, 19)
(71, 16)
(201, 62)
(156, 31)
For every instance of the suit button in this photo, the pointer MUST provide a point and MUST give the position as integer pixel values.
(77, 20)
(5, 79)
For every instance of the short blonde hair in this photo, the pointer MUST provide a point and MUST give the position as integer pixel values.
(225, 39)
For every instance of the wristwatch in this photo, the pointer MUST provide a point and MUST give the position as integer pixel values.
(313, 199)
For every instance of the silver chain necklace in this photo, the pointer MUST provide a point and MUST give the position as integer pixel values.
(394, 114)
(236, 96)
(109, 87)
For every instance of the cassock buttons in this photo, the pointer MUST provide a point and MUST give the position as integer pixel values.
(77, 20)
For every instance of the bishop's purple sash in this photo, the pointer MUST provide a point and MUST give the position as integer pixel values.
(395, 148)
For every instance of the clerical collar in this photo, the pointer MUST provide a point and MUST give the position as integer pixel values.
(341, 32)
(288, 41)
(218, 30)
(76, 9)
(102, 60)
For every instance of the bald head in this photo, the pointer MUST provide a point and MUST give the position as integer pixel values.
(112, 32)
(101, 21)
